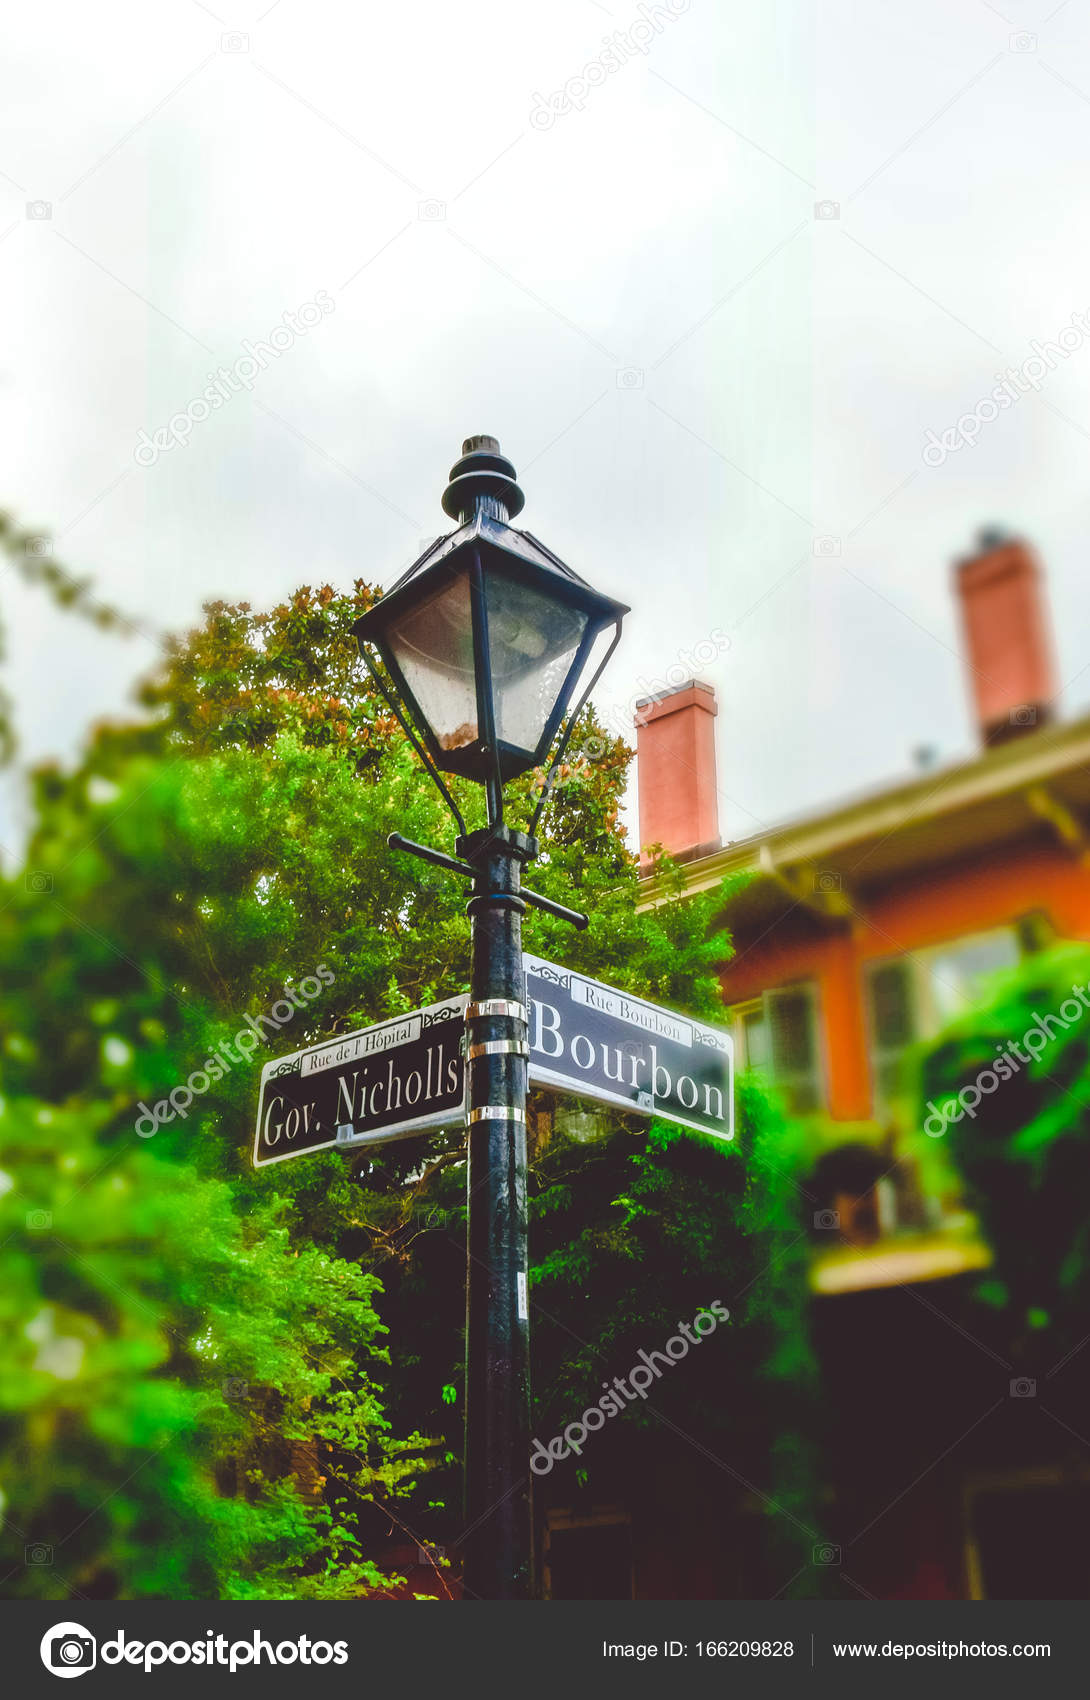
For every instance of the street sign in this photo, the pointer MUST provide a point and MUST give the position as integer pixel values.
(407, 1075)
(593, 1041)
(380, 1083)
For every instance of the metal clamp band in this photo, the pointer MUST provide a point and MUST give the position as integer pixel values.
(497, 1006)
(496, 1113)
(500, 1048)
(495, 900)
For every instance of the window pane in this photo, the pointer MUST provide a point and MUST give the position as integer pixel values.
(892, 1013)
(755, 1034)
(792, 1033)
(957, 970)
(532, 642)
(894, 1025)
(433, 645)
(794, 1046)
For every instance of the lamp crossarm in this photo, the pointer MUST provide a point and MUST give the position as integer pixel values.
(438, 859)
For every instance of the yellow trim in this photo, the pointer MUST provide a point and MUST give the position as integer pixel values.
(899, 1262)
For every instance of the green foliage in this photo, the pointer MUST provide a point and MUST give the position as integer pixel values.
(1024, 1149)
(189, 1402)
(199, 1344)
(167, 1367)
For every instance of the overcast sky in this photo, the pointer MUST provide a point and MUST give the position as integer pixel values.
(588, 227)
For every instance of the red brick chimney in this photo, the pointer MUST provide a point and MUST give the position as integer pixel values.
(675, 764)
(1008, 645)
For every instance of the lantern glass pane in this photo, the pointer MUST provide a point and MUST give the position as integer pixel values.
(432, 643)
(532, 642)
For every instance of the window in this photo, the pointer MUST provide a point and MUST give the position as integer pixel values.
(778, 1037)
(894, 1025)
(911, 997)
(957, 972)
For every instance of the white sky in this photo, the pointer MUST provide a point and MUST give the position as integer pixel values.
(693, 374)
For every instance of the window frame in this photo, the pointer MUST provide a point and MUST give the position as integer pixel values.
(928, 1017)
(810, 987)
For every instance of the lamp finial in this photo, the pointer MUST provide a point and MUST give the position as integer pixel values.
(482, 481)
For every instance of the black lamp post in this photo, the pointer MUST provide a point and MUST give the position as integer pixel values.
(492, 647)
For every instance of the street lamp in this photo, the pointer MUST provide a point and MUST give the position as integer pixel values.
(488, 634)
(491, 647)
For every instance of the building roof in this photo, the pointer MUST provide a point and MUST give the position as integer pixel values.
(1036, 784)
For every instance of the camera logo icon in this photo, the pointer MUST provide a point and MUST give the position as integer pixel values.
(826, 1553)
(39, 882)
(68, 1650)
(1023, 1387)
(39, 209)
(630, 378)
(38, 546)
(235, 41)
(1023, 41)
(1024, 715)
(827, 1220)
(431, 211)
(826, 209)
(826, 546)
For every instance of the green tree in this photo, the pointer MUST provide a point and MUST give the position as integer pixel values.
(174, 1380)
(204, 855)
(1021, 1135)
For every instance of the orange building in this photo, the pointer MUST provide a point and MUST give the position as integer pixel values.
(868, 924)
(863, 928)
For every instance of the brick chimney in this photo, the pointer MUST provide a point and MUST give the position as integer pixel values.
(675, 763)
(1008, 645)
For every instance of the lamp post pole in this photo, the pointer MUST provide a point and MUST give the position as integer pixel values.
(498, 1544)
(498, 1549)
